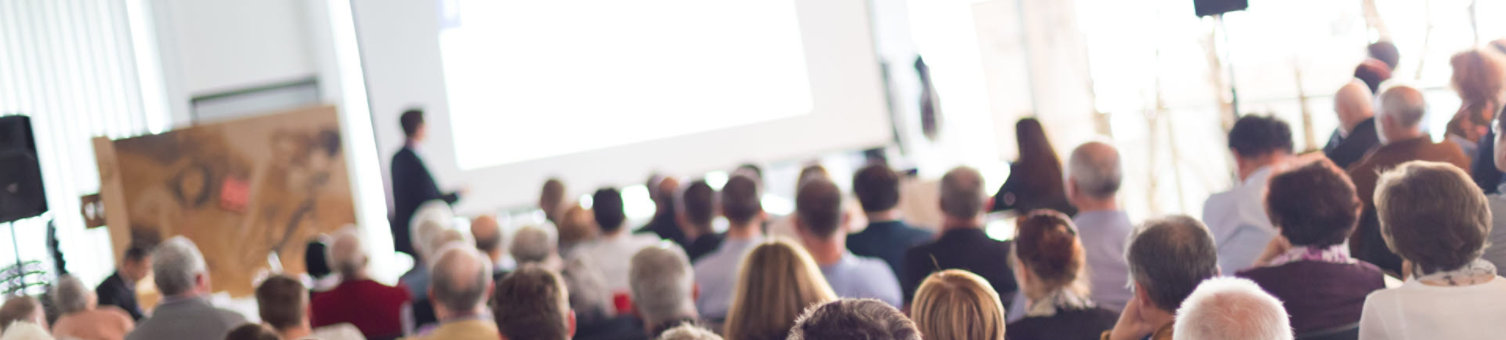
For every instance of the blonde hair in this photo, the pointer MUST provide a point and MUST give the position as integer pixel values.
(957, 304)
(778, 280)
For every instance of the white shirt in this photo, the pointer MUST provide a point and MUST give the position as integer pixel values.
(1238, 222)
(1418, 311)
(342, 331)
(612, 255)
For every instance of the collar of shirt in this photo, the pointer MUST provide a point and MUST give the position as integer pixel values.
(1338, 253)
(1061, 299)
(1476, 272)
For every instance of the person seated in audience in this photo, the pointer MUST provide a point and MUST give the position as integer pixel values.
(1035, 179)
(821, 223)
(81, 317)
(374, 308)
(1356, 135)
(1049, 261)
(962, 243)
(595, 316)
(460, 285)
(1399, 123)
(1237, 217)
(784, 227)
(689, 332)
(119, 289)
(537, 244)
(1479, 79)
(854, 319)
(716, 273)
(1168, 257)
(316, 267)
(1495, 252)
(1372, 73)
(22, 309)
(491, 240)
(25, 331)
(776, 283)
(1094, 176)
(428, 221)
(552, 199)
(181, 276)
(956, 304)
(616, 247)
(282, 302)
(663, 288)
(1438, 221)
(887, 236)
(696, 208)
(577, 226)
(1308, 266)
(424, 314)
(532, 303)
(666, 222)
(1231, 309)
(253, 331)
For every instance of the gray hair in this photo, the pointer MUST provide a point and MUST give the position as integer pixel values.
(688, 331)
(662, 283)
(854, 319)
(589, 296)
(70, 295)
(1094, 168)
(962, 192)
(429, 219)
(1233, 309)
(176, 263)
(1169, 256)
(345, 253)
(534, 243)
(443, 238)
(1404, 104)
(460, 277)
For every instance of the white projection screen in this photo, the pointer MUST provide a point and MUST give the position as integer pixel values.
(605, 92)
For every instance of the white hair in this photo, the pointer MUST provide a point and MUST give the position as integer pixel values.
(688, 331)
(662, 283)
(176, 264)
(534, 243)
(1232, 309)
(1404, 104)
(459, 277)
(346, 254)
(22, 330)
(1094, 167)
(443, 238)
(71, 295)
(430, 218)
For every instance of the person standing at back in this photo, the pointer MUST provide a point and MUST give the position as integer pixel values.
(822, 225)
(962, 244)
(119, 289)
(887, 236)
(412, 184)
(1237, 217)
(1093, 180)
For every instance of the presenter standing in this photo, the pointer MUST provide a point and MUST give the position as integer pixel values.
(412, 185)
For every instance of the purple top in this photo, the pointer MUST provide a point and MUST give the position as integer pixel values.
(1319, 295)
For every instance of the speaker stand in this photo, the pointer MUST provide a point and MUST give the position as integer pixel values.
(15, 246)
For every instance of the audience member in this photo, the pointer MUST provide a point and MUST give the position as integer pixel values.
(461, 281)
(716, 273)
(785, 227)
(577, 226)
(119, 289)
(962, 243)
(319, 276)
(532, 303)
(1168, 257)
(1373, 73)
(1399, 123)
(1237, 217)
(1356, 135)
(552, 199)
(491, 240)
(428, 222)
(252, 331)
(1094, 176)
(854, 319)
(616, 247)
(283, 303)
(1231, 309)
(663, 288)
(595, 315)
(1049, 261)
(181, 276)
(1035, 178)
(424, 314)
(1437, 220)
(821, 223)
(1308, 266)
(22, 309)
(696, 206)
(887, 236)
(777, 281)
(1384, 51)
(374, 308)
(81, 317)
(537, 244)
(956, 304)
(412, 185)
(665, 223)
(689, 332)
(1495, 252)
(1479, 79)
(25, 331)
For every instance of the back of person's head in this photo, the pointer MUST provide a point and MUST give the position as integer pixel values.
(430, 218)
(488, 235)
(962, 193)
(957, 304)
(854, 319)
(70, 295)
(411, 120)
(21, 309)
(576, 225)
(752, 170)
(810, 172)
(1253, 136)
(532, 303)
(818, 208)
(1386, 52)
(877, 187)
(281, 301)
(1049, 252)
(1030, 137)
(315, 263)
(24, 331)
(1168, 257)
(1403, 105)
(662, 284)
(1095, 170)
(697, 202)
(589, 296)
(775, 283)
(688, 332)
(460, 278)
(1313, 205)
(346, 254)
(1432, 215)
(606, 204)
(741, 200)
(531, 244)
(552, 196)
(252, 331)
(1231, 309)
(177, 267)
(1354, 102)
(445, 238)
(1479, 78)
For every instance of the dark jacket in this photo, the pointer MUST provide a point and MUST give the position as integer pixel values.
(1072, 324)
(1319, 295)
(412, 185)
(1366, 243)
(888, 241)
(1345, 151)
(115, 291)
(1024, 192)
(968, 249)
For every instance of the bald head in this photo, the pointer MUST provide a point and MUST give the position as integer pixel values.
(346, 256)
(460, 280)
(1353, 105)
(1401, 112)
(962, 193)
(488, 235)
(1094, 172)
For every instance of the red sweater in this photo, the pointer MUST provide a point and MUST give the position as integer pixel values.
(372, 307)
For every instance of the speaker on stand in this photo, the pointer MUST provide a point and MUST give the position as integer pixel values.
(21, 192)
(1217, 8)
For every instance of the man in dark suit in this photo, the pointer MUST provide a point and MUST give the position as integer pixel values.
(412, 185)
(887, 236)
(1356, 135)
(962, 244)
(119, 289)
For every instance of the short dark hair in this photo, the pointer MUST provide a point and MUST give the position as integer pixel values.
(1386, 52)
(606, 205)
(1432, 215)
(819, 207)
(18, 308)
(1254, 136)
(137, 253)
(741, 200)
(698, 201)
(877, 187)
(281, 302)
(1169, 256)
(530, 303)
(854, 319)
(251, 331)
(1314, 204)
(411, 120)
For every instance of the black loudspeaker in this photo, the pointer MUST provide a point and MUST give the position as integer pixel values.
(21, 192)
(1212, 7)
